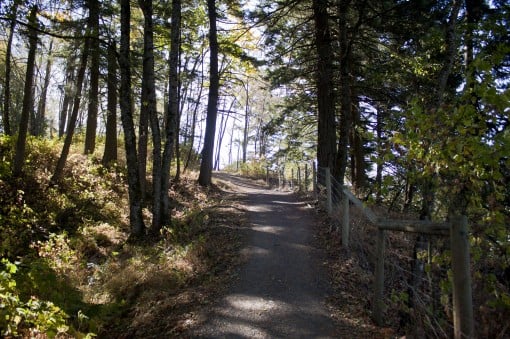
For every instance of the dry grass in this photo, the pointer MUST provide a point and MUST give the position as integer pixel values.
(119, 288)
(161, 283)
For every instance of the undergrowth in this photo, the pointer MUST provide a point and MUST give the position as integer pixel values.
(67, 268)
(418, 299)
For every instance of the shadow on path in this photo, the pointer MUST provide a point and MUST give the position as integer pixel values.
(281, 289)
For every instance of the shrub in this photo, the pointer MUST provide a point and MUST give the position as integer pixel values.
(32, 316)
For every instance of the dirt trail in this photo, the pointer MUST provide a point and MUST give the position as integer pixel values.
(282, 286)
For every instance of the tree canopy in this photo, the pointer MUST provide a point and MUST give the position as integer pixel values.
(407, 101)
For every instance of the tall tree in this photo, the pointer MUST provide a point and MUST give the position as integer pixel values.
(206, 164)
(93, 26)
(345, 90)
(246, 120)
(71, 124)
(28, 95)
(39, 122)
(6, 115)
(110, 146)
(172, 108)
(326, 131)
(67, 90)
(134, 190)
(148, 100)
(194, 113)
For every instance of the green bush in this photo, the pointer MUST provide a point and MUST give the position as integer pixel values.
(32, 316)
(255, 169)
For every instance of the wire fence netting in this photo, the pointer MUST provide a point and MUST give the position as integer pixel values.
(416, 283)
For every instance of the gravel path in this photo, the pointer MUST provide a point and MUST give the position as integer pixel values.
(281, 288)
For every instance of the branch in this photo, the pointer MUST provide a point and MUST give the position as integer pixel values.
(56, 35)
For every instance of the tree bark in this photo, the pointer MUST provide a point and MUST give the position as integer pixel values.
(326, 132)
(173, 109)
(69, 83)
(221, 135)
(230, 147)
(194, 118)
(143, 137)
(409, 194)
(135, 194)
(246, 122)
(93, 23)
(149, 104)
(28, 99)
(357, 150)
(179, 114)
(6, 115)
(110, 146)
(380, 155)
(40, 117)
(206, 165)
(345, 93)
(71, 125)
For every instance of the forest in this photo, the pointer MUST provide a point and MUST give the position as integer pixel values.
(115, 115)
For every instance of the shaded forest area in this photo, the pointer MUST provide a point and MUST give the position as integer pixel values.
(115, 114)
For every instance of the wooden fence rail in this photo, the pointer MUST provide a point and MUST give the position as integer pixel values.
(456, 229)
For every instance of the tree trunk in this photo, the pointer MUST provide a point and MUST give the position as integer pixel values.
(218, 143)
(357, 151)
(345, 93)
(246, 122)
(380, 156)
(93, 23)
(409, 195)
(40, 117)
(6, 115)
(135, 194)
(230, 147)
(194, 119)
(188, 88)
(173, 109)
(221, 135)
(71, 125)
(179, 114)
(143, 137)
(110, 146)
(28, 100)
(205, 176)
(149, 104)
(326, 143)
(69, 83)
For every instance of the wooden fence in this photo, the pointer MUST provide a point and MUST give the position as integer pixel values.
(456, 229)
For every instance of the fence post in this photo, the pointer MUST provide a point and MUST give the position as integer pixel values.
(328, 190)
(462, 294)
(377, 302)
(345, 219)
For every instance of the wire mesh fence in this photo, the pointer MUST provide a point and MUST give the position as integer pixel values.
(417, 275)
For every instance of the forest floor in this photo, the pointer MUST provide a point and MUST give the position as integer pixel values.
(292, 282)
